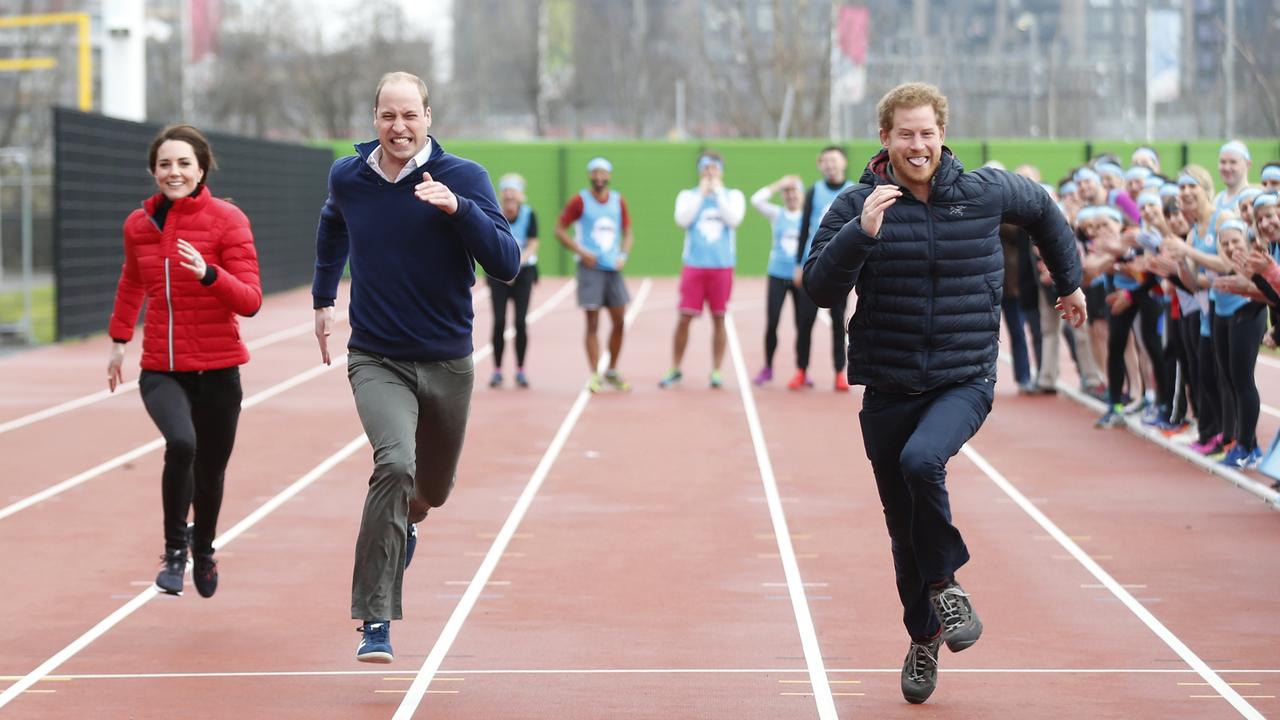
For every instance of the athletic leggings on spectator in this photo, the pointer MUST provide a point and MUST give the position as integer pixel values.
(806, 314)
(1237, 353)
(779, 288)
(1209, 421)
(197, 413)
(519, 293)
(1147, 309)
(1177, 368)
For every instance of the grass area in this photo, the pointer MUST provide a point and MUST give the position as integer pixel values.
(42, 306)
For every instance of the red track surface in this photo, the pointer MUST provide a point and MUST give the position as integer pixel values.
(645, 579)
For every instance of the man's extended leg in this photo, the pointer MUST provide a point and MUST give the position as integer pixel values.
(386, 399)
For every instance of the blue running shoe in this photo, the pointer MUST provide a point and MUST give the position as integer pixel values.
(1251, 459)
(1235, 457)
(1113, 418)
(673, 377)
(376, 645)
(410, 544)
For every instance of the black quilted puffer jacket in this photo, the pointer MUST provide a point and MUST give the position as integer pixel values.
(929, 286)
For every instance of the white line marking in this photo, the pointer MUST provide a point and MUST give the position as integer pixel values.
(799, 605)
(132, 385)
(1137, 608)
(158, 443)
(1231, 475)
(447, 675)
(238, 529)
(256, 399)
(142, 598)
(1269, 362)
(431, 665)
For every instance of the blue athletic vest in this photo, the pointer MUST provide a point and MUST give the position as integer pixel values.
(600, 228)
(709, 242)
(786, 240)
(520, 231)
(823, 196)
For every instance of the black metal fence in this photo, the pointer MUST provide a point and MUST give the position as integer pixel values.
(100, 176)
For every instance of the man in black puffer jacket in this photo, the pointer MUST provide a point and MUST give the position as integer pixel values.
(919, 240)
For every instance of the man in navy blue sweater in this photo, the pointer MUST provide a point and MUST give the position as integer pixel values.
(412, 220)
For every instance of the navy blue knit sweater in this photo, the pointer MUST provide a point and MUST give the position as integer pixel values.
(412, 265)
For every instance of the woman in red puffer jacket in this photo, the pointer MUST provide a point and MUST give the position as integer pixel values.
(191, 256)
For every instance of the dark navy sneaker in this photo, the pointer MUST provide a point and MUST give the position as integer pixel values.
(376, 645)
(410, 544)
(960, 624)
(204, 574)
(920, 670)
(174, 568)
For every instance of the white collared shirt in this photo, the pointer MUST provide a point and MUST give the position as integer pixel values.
(414, 163)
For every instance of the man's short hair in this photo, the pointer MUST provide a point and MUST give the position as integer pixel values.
(833, 148)
(401, 76)
(911, 95)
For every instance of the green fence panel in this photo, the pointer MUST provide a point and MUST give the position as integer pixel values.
(650, 174)
(1205, 152)
(1053, 160)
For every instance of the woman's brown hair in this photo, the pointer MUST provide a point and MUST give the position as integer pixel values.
(193, 137)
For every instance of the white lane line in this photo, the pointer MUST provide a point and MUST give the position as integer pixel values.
(158, 443)
(258, 343)
(431, 666)
(1268, 361)
(238, 529)
(142, 598)
(1190, 658)
(791, 569)
(90, 399)
(1231, 475)
(444, 674)
(256, 399)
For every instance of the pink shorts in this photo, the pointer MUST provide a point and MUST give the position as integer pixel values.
(709, 286)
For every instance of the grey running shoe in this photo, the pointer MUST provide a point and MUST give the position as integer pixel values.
(920, 670)
(173, 568)
(960, 624)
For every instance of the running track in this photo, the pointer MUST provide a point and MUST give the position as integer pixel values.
(663, 554)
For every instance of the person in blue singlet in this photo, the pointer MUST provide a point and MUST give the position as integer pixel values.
(602, 241)
(710, 215)
(784, 222)
(524, 228)
(834, 165)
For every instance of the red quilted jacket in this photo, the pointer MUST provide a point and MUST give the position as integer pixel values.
(189, 326)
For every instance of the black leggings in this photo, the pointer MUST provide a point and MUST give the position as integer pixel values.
(500, 294)
(779, 288)
(806, 314)
(1148, 310)
(1209, 420)
(1178, 366)
(197, 413)
(1235, 344)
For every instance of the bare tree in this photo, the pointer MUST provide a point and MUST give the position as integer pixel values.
(769, 49)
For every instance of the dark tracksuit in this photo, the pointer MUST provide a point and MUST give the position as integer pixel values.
(924, 340)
